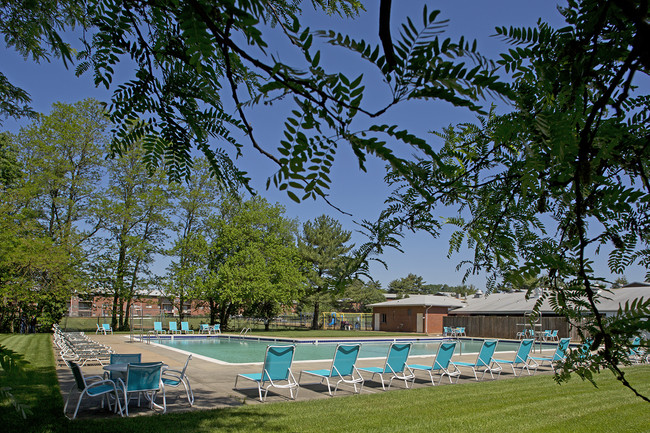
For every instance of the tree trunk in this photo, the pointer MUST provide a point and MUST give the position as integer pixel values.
(127, 310)
(116, 298)
(224, 313)
(213, 311)
(181, 302)
(314, 320)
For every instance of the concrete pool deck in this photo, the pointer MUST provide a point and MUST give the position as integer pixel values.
(213, 383)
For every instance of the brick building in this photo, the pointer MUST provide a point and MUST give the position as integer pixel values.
(417, 313)
(150, 304)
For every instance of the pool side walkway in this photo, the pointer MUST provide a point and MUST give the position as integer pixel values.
(213, 384)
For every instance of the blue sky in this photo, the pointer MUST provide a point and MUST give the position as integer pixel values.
(358, 193)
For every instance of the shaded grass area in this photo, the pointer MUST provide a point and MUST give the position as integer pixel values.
(38, 387)
(527, 404)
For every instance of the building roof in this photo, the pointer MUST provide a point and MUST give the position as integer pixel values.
(516, 302)
(422, 301)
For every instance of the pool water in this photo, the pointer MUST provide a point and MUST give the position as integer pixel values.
(238, 351)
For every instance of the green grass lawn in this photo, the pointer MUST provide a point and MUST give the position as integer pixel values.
(527, 404)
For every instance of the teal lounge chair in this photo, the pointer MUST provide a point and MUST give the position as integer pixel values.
(343, 368)
(204, 328)
(559, 355)
(158, 329)
(98, 388)
(216, 328)
(175, 378)
(143, 379)
(173, 329)
(521, 357)
(185, 327)
(441, 363)
(483, 360)
(107, 328)
(636, 354)
(276, 371)
(396, 366)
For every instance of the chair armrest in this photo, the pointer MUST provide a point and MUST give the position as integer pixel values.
(94, 377)
(102, 382)
(171, 374)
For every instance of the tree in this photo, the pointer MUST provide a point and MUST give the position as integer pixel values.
(325, 251)
(194, 201)
(253, 259)
(619, 282)
(359, 294)
(463, 290)
(135, 213)
(411, 284)
(544, 188)
(47, 217)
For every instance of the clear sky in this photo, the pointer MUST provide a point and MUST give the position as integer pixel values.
(360, 194)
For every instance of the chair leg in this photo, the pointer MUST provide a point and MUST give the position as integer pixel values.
(188, 390)
(78, 403)
(381, 377)
(69, 395)
(259, 389)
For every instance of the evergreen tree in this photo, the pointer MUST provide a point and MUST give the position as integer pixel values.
(324, 249)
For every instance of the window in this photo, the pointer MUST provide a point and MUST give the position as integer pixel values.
(383, 317)
(408, 312)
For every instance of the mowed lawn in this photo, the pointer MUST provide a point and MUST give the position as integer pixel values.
(527, 404)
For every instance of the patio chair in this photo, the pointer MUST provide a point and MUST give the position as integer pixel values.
(396, 366)
(144, 379)
(204, 328)
(547, 335)
(98, 388)
(175, 378)
(275, 371)
(446, 331)
(559, 355)
(636, 354)
(173, 329)
(583, 356)
(158, 328)
(441, 363)
(99, 329)
(343, 368)
(554, 336)
(122, 358)
(460, 331)
(521, 357)
(106, 327)
(185, 327)
(216, 328)
(484, 359)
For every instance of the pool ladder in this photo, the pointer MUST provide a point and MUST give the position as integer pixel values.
(244, 331)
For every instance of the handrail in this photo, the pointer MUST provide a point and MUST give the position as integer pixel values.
(244, 331)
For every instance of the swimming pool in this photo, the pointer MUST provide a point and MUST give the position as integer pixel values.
(245, 351)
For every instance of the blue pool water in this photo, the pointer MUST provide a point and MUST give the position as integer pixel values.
(238, 351)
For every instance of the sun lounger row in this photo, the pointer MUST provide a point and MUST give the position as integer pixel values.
(185, 328)
(78, 347)
(276, 370)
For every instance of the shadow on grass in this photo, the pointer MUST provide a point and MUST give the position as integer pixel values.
(38, 389)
